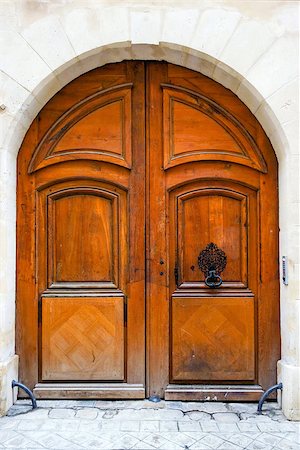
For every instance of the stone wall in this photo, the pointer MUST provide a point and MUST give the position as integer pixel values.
(249, 47)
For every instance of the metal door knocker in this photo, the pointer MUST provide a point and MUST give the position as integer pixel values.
(212, 261)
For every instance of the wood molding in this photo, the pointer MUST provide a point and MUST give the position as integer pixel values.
(89, 390)
(48, 151)
(241, 147)
(217, 393)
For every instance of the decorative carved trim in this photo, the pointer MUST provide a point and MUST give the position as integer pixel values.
(43, 153)
(223, 118)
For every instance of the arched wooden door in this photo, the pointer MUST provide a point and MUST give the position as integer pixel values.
(136, 183)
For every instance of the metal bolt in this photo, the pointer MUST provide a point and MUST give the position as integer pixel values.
(2, 107)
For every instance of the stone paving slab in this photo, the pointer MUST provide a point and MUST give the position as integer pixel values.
(144, 425)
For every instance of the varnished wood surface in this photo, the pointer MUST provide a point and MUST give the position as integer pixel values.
(83, 338)
(134, 140)
(213, 193)
(212, 339)
(76, 187)
(95, 390)
(217, 393)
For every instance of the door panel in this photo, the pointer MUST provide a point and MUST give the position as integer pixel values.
(81, 264)
(83, 235)
(96, 127)
(198, 128)
(213, 174)
(212, 339)
(125, 177)
(211, 215)
(83, 338)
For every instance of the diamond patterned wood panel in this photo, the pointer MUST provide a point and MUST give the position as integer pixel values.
(83, 338)
(213, 339)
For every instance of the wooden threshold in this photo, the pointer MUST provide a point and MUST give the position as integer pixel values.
(89, 390)
(218, 393)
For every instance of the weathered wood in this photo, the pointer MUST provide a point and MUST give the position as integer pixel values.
(99, 391)
(80, 233)
(126, 174)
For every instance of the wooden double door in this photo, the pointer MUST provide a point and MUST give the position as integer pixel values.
(147, 240)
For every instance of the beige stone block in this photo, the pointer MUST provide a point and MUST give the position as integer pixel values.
(213, 30)
(82, 26)
(290, 319)
(89, 28)
(200, 62)
(289, 375)
(294, 178)
(8, 16)
(179, 25)
(147, 52)
(174, 53)
(145, 26)
(69, 71)
(248, 42)
(267, 118)
(20, 61)
(249, 95)
(46, 89)
(285, 102)
(276, 67)
(280, 143)
(7, 326)
(17, 99)
(8, 372)
(285, 17)
(294, 250)
(228, 77)
(292, 132)
(12, 131)
(294, 279)
(48, 38)
(115, 23)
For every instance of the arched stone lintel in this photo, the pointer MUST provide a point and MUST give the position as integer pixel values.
(173, 53)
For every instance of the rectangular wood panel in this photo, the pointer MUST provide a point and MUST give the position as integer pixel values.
(81, 238)
(205, 216)
(83, 338)
(212, 339)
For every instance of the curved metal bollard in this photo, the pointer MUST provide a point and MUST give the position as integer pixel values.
(266, 395)
(27, 390)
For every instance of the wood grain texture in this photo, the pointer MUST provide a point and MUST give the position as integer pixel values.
(197, 128)
(212, 339)
(82, 202)
(83, 338)
(97, 127)
(231, 164)
(93, 390)
(128, 172)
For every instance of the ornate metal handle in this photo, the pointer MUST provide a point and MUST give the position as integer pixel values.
(212, 261)
(213, 280)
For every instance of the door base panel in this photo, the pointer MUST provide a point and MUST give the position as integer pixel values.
(89, 390)
(224, 393)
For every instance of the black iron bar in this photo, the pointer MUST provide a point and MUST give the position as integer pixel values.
(27, 390)
(266, 395)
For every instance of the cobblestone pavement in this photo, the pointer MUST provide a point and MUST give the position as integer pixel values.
(145, 425)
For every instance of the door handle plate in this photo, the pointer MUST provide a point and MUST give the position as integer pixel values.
(212, 262)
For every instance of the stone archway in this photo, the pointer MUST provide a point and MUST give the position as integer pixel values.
(145, 44)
